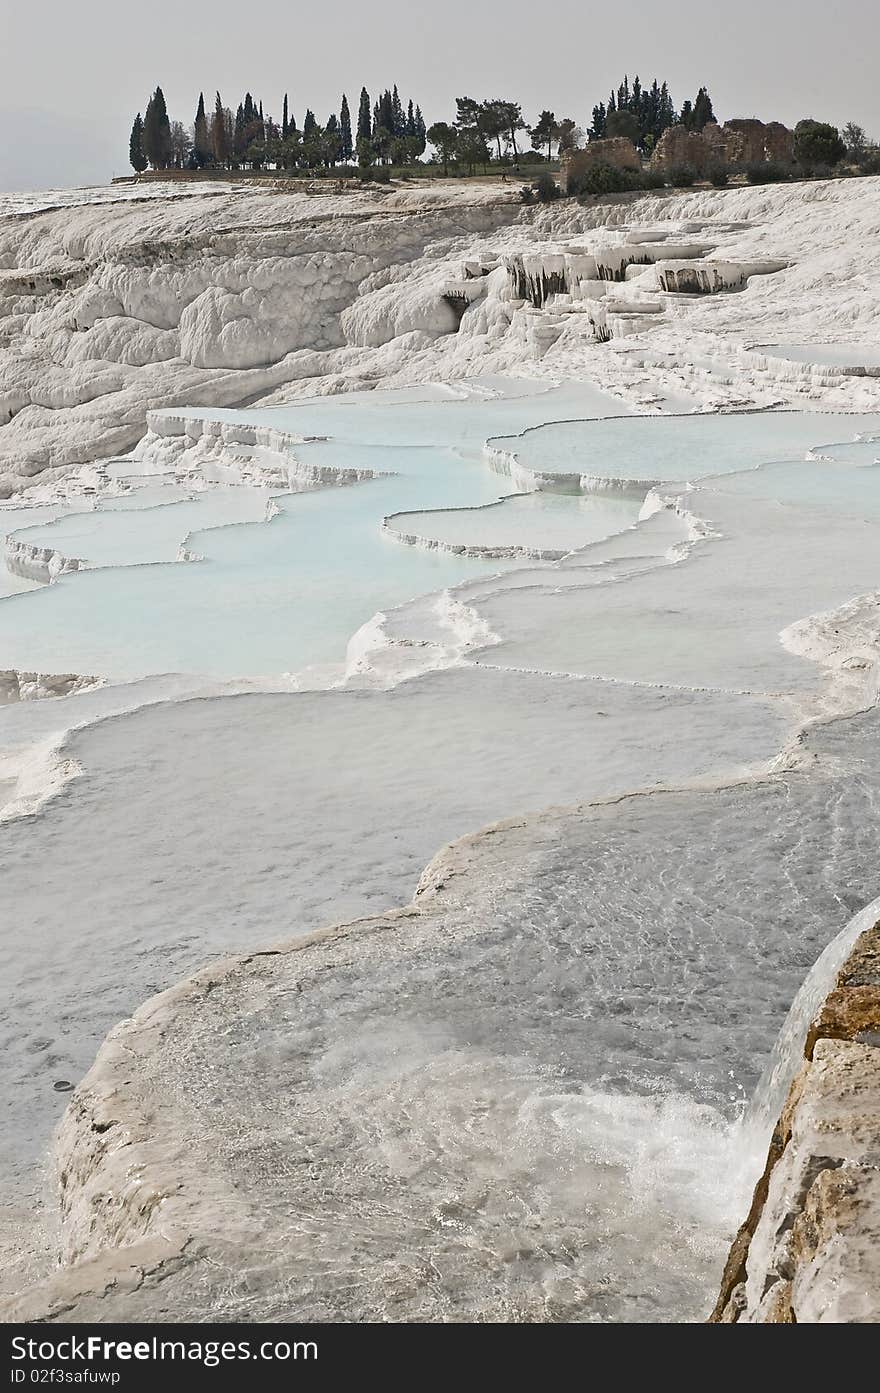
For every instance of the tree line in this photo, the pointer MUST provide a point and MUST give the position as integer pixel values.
(482, 133)
(642, 114)
(386, 132)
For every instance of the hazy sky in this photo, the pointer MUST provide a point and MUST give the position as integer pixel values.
(76, 73)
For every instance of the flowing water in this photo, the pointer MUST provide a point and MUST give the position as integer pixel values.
(633, 961)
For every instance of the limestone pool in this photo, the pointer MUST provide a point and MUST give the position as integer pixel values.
(272, 582)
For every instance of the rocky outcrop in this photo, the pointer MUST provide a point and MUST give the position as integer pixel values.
(809, 1250)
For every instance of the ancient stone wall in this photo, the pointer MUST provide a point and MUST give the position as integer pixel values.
(778, 142)
(738, 142)
(745, 141)
(698, 149)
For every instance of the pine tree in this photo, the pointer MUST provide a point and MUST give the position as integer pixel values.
(346, 145)
(157, 132)
(136, 146)
(201, 140)
(365, 125)
(284, 122)
(544, 132)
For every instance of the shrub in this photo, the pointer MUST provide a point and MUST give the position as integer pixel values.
(815, 171)
(682, 176)
(527, 194)
(651, 179)
(599, 179)
(718, 176)
(767, 172)
(546, 188)
(870, 163)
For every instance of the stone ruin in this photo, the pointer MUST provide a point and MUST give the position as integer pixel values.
(737, 142)
(699, 149)
(752, 142)
(617, 151)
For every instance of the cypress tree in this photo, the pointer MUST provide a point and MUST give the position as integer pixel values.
(667, 110)
(157, 132)
(346, 145)
(397, 117)
(238, 140)
(703, 112)
(136, 146)
(284, 123)
(421, 133)
(365, 125)
(310, 125)
(332, 141)
(219, 134)
(201, 140)
(386, 112)
(149, 128)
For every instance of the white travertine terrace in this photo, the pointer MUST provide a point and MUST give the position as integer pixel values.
(698, 692)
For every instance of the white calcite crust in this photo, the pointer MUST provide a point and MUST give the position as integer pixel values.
(110, 309)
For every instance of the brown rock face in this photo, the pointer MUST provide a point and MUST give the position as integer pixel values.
(809, 1250)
